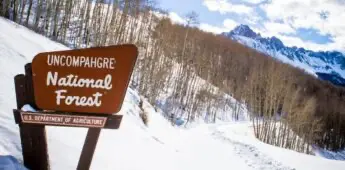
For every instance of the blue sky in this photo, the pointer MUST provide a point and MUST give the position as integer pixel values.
(312, 24)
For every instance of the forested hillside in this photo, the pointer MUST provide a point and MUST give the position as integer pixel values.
(178, 63)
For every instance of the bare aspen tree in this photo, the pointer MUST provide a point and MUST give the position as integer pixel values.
(97, 22)
(1, 7)
(55, 20)
(105, 28)
(22, 8)
(15, 10)
(6, 8)
(87, 29)
(38, 14)
(66, 20)
(28, 13)
(191, 19)
(113, 21)
(81, 24)
(48, 13)
(123, 21)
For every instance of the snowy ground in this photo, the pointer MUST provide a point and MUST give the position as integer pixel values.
(134, 146)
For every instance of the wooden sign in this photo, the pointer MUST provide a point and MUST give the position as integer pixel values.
(92, 80)
(74, 88)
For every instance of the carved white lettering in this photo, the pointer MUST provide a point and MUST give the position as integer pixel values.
(81, 61)
(74, 81)
(90, 101)
(59, 96)
(51, 79)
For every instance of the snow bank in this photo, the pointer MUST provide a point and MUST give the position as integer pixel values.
(10, 163)
(328, 154)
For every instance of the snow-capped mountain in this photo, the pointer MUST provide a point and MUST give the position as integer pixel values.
(327, 65)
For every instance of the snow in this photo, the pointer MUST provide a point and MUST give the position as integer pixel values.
(242, 135)
(221, 146)
(311, 65)
(263, 49)
(328, 154)
(28, 108)
(10, 163)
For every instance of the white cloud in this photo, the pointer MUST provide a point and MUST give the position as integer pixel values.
(306, 14)
(212, 29)
(295, 41)
(254, 1)
(175, 18)
(275, 27)
(291, 41)
(253, 19)
(224, 6)
(228, 25)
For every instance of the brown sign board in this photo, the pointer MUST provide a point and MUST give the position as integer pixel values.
(92, 80)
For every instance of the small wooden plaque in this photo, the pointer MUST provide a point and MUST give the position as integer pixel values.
(68, 119)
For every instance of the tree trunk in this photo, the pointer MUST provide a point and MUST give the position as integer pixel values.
(7, 4)
(47, 17)
(38, 15)
(15, 10)
(22, 11)
(29, 13)
(1, 7)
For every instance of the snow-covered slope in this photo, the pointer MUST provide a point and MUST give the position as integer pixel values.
(10, 163)
(327, 65)
(134, 146)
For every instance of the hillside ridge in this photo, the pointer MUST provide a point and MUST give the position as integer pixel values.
(326, 65)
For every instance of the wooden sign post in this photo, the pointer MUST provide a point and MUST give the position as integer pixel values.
(74, 88)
